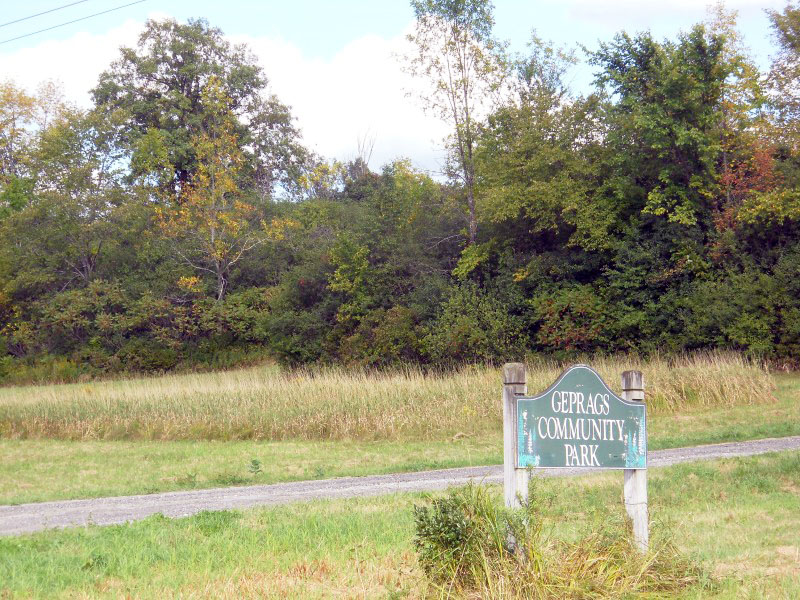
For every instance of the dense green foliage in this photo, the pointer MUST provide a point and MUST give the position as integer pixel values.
(181, 223)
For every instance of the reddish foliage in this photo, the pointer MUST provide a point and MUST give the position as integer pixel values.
(754, 172)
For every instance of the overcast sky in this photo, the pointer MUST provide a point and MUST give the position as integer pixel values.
(334, 61)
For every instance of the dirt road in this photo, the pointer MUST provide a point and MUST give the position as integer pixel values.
(25, 518)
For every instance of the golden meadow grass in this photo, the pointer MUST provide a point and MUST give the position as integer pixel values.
(269, 404)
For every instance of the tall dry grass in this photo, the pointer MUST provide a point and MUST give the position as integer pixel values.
(269, 404)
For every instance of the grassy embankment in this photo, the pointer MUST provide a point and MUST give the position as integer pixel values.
(178, 432)
(739, 518)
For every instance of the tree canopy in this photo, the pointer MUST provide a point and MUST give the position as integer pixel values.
(180, 223)
(160, 84)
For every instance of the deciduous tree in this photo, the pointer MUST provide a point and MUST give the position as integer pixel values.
(213, 226)
(462, 63)
(58, 240)
(17, 111)
(160, 85)
(785, 72)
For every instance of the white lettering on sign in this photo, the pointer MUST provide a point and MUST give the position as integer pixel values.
(577, 403)
(581, 455)
(567, 428)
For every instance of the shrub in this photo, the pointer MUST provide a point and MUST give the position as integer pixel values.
(575, 319)
(468, 546)
(44, 369)
(144, 355)
(459, 534)
(384, 337)
(476, 325)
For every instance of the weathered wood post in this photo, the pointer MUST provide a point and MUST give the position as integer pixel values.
(635, 490)
(515, 480)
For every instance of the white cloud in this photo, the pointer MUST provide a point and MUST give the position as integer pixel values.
(75, 62)
(359, 92)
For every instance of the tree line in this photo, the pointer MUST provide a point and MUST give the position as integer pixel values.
(181, 223)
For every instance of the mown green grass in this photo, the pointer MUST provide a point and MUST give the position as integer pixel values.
(40, 470)
(736, 423)
(739, 517)
(35, 470)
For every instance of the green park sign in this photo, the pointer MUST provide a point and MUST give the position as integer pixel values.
(579, 422)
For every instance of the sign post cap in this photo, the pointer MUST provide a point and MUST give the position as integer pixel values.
(632, 380)
(514, 373)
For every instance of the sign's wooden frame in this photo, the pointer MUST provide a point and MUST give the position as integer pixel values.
(516, 479)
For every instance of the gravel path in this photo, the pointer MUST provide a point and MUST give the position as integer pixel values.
(24, 518)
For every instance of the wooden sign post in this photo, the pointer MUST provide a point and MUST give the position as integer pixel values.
(635, 490)
(513, 386)
(578, 422)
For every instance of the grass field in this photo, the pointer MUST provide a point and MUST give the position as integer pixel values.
(738, 517)
(267, 404)
(38, 469)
